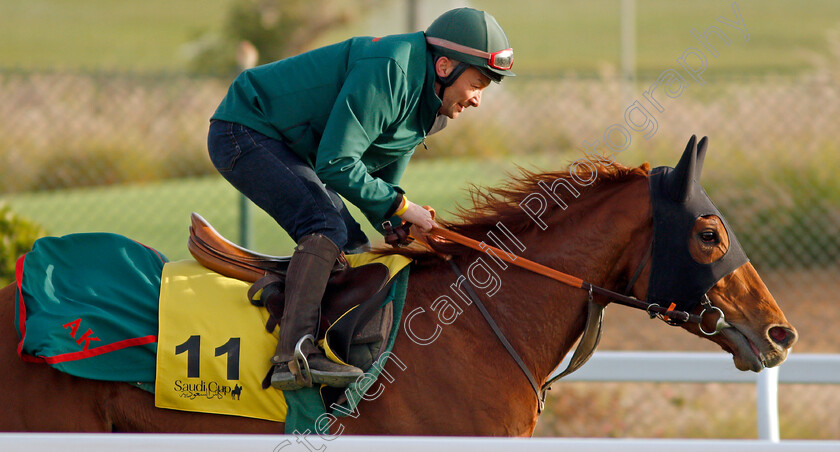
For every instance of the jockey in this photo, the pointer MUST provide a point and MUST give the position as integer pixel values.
(344, 120)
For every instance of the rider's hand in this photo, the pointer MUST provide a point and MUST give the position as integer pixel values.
(420, 218)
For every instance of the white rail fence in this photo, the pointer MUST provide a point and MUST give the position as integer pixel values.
(681, 367)
(270, 443)
(678, 367)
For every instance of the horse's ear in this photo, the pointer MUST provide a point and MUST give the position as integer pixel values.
(680, 180)
(701, 156)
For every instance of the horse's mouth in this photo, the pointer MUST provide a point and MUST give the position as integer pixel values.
(751, 352)
(746, 354)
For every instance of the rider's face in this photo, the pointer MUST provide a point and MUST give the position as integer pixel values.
(464, 93)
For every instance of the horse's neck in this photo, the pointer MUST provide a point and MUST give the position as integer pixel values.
(592, 240)
(452, 348)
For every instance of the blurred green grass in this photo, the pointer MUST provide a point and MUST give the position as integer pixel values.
(157, 214)
(553, 37)
(550, 37)
(796, 195)
(102, 34)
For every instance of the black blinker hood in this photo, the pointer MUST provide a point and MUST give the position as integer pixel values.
(678, 200)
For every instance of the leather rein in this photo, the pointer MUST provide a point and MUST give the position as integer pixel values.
(653, 309)
(592, 332)
(400, 236)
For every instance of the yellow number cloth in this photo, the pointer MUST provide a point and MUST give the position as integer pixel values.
(195, 301)
(205, 323)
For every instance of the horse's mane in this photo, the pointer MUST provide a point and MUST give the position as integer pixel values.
(491, 205)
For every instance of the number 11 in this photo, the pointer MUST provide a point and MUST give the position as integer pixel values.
(193, 346)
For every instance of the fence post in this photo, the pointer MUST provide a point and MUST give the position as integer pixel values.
(627, 11)
(247, 57)
(767, 404)
(244, 221)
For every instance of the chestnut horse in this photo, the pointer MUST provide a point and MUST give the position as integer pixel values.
(452, 376)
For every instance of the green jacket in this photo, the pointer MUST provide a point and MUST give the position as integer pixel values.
(354, 111)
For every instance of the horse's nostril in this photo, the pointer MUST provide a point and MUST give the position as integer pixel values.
(782, 335)
(778, 334)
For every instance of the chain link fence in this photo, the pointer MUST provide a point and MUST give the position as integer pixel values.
(126, 153)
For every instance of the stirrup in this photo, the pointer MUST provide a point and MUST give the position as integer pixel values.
(302, 374)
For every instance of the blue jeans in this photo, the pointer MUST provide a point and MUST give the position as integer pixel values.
(280, 182)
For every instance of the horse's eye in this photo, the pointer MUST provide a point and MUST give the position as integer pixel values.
(709, 237)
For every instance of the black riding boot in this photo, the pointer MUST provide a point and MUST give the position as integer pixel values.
(306, 279)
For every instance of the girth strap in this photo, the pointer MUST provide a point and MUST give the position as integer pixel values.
(586, 347)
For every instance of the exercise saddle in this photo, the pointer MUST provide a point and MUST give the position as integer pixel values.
(354, 294)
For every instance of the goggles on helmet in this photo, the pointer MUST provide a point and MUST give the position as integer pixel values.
(502, 59)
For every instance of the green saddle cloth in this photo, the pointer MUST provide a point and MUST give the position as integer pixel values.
(87, 305)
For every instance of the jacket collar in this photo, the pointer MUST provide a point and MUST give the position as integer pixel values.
(429, 101)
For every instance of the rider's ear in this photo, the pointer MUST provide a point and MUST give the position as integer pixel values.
(443, 66)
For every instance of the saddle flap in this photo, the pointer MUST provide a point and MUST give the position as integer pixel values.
(352, 287)
(345, 289)
(356, 324)
(376, 328)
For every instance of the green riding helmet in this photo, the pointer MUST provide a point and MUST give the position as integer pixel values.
(475, 38)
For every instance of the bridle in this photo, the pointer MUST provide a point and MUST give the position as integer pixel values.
(591, 334)
(675, 317)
